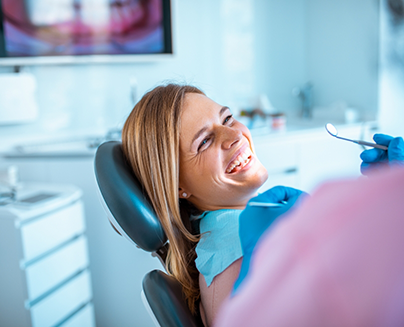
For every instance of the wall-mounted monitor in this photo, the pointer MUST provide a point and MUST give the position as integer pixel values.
(84, 31)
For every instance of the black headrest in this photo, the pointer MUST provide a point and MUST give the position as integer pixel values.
(123, 196)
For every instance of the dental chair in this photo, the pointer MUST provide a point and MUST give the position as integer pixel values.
(132, 216)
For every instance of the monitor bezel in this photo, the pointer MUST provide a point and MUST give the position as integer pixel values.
(96, 58)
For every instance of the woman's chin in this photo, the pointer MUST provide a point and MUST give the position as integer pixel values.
(256, 173)
(261, 179)
(264, 176)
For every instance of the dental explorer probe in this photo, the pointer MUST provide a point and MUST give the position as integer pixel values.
(266, 204)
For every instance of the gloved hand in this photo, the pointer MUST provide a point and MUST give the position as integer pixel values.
(376, 158)
(255, 220)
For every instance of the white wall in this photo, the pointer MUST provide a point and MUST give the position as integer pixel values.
(280, 50)
(333, 44)
(342, 52)
(391, 82)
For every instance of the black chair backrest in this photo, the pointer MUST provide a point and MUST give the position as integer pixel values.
(131, 213)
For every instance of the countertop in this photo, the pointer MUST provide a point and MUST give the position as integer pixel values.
(84, 144)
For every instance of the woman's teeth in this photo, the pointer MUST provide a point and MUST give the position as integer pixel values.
(241, 161)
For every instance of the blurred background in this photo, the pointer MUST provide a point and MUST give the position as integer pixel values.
(71, 72)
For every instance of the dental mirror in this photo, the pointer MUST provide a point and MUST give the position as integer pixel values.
(332, 130)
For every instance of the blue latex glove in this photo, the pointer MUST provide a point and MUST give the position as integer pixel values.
(376, 158)
(254, 221)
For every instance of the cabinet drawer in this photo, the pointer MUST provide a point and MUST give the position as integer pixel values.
(277, 157)
(83, 318)
(52, 230)
(60, 304)
(57, 267)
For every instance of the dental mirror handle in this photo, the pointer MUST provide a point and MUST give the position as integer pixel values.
(374, 145)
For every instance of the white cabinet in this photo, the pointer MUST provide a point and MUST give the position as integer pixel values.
(44, 268)
(305, 158)
(322, 157)
(280, 158)
(117, 267)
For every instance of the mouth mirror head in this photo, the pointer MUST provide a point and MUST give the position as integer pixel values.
(331, 129)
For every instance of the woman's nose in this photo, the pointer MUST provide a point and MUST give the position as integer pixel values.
(230, 137)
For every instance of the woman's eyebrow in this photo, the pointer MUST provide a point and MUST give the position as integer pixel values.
(203, 129)
(224, 108)
(197, 135)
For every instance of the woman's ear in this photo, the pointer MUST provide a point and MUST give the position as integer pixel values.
(183, 194)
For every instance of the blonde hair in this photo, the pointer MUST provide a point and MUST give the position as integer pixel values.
(150, 140)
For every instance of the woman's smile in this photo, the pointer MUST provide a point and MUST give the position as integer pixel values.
(240, 160)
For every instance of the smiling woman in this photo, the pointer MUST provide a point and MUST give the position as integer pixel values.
(198, 167)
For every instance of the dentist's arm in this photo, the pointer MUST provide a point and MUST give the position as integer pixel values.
(375, 158)
(255, 220)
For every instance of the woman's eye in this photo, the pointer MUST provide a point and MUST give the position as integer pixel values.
(228, 118)
(203, 143)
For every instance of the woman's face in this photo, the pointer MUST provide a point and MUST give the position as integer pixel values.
(218, 167)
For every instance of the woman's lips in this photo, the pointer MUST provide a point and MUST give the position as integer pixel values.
(240, 160)
(239, 169)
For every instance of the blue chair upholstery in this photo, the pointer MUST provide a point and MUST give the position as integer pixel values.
(132, 216)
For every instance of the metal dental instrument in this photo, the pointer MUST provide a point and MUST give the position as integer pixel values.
(264, 204)
(334, 132)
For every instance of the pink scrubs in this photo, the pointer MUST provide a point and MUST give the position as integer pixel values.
(338, 260)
